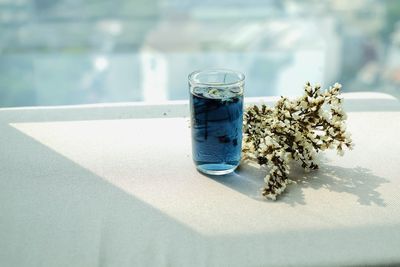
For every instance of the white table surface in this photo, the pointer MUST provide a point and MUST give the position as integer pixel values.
(114, 185)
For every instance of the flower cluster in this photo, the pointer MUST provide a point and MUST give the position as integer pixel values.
(294, 130)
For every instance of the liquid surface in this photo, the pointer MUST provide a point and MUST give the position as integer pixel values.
(217, 117)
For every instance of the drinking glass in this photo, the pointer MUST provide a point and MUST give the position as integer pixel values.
(216, 106)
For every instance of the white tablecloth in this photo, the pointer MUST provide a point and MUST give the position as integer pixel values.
(114, 185)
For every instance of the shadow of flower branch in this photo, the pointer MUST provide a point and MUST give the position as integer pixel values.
(358, 181)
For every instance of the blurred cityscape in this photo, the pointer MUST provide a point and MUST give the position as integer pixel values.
(60, 52)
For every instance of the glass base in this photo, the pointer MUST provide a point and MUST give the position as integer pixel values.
(216, 169)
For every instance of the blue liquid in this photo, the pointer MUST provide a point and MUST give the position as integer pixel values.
(216, 131)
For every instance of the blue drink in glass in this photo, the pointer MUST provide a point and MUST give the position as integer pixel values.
(216, 119)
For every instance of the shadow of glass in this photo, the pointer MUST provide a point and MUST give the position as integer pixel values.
(358, 181)
(247, 179)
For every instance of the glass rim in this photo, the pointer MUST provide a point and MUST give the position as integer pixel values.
(239, 75)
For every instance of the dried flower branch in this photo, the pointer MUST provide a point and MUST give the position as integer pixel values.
(296, 130)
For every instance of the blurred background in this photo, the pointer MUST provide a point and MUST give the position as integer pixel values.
(61, 52)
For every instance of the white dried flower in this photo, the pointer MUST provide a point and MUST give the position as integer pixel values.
(337, 85)
(303, 104)
(294, 130)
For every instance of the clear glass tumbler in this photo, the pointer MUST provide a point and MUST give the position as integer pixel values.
(216, 106)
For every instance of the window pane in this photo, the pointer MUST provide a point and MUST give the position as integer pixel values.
(56, 52)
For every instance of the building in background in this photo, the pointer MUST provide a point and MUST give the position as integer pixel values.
(55, 52)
